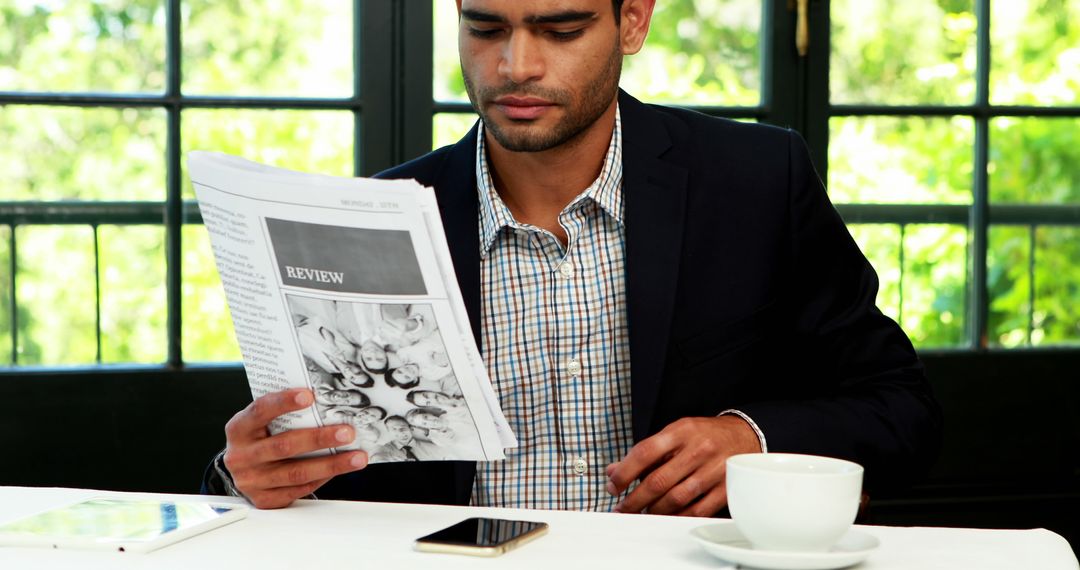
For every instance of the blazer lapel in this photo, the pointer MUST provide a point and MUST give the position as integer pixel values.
(655, 193)
(456, 193)
(455, 189)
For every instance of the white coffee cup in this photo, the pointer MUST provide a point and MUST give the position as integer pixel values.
(793, 503)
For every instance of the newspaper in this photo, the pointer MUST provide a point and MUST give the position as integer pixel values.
(345, 286)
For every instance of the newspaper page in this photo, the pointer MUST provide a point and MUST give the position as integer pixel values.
(345, 286)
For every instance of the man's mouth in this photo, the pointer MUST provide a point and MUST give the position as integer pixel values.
(522, 108)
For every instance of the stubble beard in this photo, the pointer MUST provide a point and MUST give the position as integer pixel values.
(595, 100)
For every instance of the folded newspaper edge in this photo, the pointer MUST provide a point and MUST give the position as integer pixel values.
(346, 286)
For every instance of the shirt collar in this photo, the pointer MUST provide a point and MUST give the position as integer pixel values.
(606, 190)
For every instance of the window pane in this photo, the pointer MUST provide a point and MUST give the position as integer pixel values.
(1057, 286)
(901, 159)
(934, 294)
(700, 52)
(1034, 160)
(312, 141)
(55, 281)
(73, 153)
(450, 127)
(880, 243)
(268, 47)
(133, 314)
(5, 295)
(447, 84)
(1035, 52)
(53, 45)
(873, 60)
(208, 330)
(1008, 285)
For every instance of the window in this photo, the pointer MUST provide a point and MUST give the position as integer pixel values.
(955, 164)
(102, 256)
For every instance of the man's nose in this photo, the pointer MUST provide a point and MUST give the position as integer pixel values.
(522, 60)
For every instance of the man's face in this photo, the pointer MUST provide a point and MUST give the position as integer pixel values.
(366, 416)
(539, 72)
(399, 431)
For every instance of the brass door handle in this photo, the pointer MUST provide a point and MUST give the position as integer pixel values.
(802, 28)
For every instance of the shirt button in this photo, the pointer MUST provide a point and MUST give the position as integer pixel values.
(573, 367)
(580, 466)
(566, 269)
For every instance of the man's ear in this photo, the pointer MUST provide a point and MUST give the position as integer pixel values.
(634, 25)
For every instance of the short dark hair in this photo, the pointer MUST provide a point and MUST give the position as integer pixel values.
(396, 417)
(617, 5)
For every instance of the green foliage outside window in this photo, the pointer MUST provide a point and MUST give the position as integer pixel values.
(698, 52)
(922, 52)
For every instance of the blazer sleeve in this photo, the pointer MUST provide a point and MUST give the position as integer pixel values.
(871, 401)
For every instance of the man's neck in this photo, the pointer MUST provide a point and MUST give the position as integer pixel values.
(537, 186)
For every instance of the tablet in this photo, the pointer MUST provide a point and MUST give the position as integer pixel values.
(121, 524)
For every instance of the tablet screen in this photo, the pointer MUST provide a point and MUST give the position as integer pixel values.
(106, 520)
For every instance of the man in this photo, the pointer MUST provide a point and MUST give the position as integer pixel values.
(401, 447)
(653, 291)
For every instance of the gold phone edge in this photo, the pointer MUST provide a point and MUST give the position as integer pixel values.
(485, 551)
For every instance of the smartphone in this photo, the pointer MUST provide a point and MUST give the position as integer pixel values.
(481, 537)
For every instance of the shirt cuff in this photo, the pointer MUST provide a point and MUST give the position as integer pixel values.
(227, 480)
(226, 477)
(753, 425)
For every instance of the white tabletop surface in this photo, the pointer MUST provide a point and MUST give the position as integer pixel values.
(335, 534)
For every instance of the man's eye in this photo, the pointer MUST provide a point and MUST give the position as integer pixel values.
(566, 36)
(484, 33)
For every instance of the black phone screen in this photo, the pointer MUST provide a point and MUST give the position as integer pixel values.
(482, 532)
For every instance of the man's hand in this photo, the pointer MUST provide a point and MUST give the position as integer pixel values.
(264, 467)
(682, 468)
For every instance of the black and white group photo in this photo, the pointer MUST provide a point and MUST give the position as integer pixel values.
(384, 368)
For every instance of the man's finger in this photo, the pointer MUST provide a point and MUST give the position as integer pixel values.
(642, 457)
(303, 471)
(284, 496)
(295, 442)
(658, 483)
(708, 505)
(701, 482)
(252, 421)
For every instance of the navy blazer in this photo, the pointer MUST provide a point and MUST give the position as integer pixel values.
(744, 290)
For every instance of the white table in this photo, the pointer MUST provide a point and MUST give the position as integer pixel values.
(334, 534)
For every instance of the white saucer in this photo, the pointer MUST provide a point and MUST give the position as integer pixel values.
(725, 542)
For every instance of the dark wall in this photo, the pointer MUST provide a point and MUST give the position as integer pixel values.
(129, 431)
(1011, 452)
(1010, 457)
